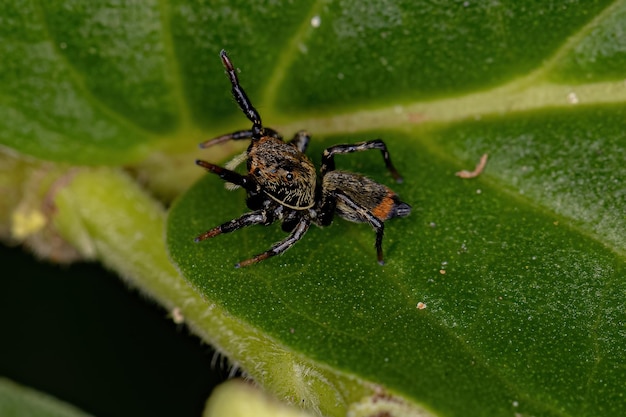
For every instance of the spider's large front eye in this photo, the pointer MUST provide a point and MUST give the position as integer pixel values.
(289, 176)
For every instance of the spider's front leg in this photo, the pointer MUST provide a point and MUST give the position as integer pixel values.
(241, 97)
(280, 247)
(248, 219)
(328, 158)
(228, 175)
(239, 135)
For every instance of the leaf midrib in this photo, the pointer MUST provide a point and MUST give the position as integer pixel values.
(522, 94)
(526, 93)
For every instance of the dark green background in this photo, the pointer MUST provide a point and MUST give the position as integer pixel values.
(97, 345)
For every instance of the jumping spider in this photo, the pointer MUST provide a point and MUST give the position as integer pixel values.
(281, 183)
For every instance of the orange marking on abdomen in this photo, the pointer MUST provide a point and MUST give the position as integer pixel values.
(384, 209)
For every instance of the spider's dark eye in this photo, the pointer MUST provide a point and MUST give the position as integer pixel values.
(289, 176)
(257, 172)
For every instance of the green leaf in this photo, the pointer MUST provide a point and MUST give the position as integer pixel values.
(97, 83)
(521, 271)
(411, 51)
(16, 400)
(501, 280)
(57, 100)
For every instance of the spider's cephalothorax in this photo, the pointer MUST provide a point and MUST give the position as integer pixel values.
(281, 183)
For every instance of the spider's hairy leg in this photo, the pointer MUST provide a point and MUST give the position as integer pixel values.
(328, 158)
(238, 135)
(241, 97)
(375, 222)
(301, 140)
(248, 219)
(280, 247)
(228, 175)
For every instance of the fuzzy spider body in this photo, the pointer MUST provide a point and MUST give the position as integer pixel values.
(282, 172)
(368, 195)
(282, 185)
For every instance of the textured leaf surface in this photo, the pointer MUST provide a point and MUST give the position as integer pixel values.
(521, 270)
(519, 303)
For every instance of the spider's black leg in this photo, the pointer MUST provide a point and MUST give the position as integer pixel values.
(375, 222)
(301, 140)
(248, 219)
(228, 175)
(240, 96)
(239, 135)
(280, 247)
(326, 209)
(328, 158)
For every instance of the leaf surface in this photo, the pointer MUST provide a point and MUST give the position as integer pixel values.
(521, 271)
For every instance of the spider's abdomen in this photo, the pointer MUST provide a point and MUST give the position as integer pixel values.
(380, 200)
(283, 173)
